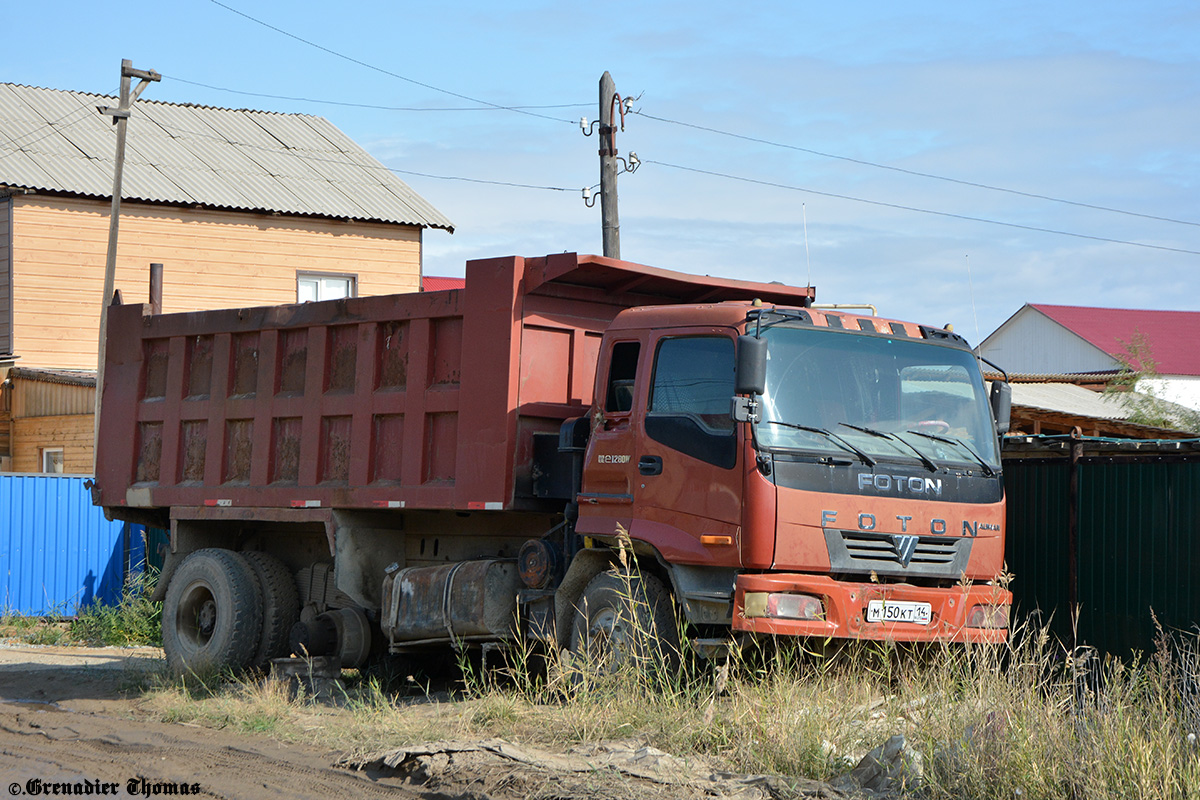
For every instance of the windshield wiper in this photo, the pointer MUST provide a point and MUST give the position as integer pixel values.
(870, 462)
(987, 470)
(926, 460)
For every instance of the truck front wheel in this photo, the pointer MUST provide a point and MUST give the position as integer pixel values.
(625, 618)
(212, 617)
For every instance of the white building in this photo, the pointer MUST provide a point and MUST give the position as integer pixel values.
(1073, 340)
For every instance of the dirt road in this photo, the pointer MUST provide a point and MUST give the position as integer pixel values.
(65, 719)
(70, 725)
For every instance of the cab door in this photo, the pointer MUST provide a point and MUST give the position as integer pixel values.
(606, 496)
(687, 490)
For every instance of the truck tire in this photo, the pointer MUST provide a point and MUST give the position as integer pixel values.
(625, 617)
(211, 614)
(280, 605)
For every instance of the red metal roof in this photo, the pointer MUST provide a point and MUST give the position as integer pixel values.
(1172, 335)
(432, 283)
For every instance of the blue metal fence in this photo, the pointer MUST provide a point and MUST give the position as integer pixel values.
(57, 552)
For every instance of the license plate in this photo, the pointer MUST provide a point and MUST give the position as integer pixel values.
(899, 611)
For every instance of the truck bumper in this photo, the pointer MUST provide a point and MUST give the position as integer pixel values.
(817, 605)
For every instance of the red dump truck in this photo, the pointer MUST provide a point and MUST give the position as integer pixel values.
(463, 466)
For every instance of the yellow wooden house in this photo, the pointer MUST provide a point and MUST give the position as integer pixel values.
(242, 208)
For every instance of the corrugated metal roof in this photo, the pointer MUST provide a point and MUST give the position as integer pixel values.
(69, 377)
(435, 283)
(1065, 398)
(1170, 335)
(1064, 377)
(196, 155)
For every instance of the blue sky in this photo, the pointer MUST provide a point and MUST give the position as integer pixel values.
(1096, 103)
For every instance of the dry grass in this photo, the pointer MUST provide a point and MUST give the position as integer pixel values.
(1020, 720)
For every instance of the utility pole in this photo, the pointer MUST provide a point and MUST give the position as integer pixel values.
(120, 117)
(608, 168)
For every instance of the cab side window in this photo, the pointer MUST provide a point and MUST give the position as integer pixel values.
(690, 398)
(622, 371)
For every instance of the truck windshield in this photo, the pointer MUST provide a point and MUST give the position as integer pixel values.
(892, 399)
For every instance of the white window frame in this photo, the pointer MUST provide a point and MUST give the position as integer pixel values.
(49, 451)
(318, 286)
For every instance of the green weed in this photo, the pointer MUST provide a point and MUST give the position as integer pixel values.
(134, 620)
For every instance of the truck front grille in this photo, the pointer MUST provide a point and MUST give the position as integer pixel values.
(861, 552)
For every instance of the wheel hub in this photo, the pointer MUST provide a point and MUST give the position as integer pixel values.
(207, 618)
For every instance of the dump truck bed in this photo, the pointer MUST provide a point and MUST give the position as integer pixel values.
(419, 401)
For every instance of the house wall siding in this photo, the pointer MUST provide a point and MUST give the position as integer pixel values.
(6, 343)
(212, 259)
(1032, 343)
(71, 432)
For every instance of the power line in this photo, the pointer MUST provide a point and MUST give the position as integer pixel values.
(773, 184)
(481, 180)
(311, 159)
(383, 71)
(712, 173)
(917, 173)
(315, 159)
(369, 105)
(920, 210)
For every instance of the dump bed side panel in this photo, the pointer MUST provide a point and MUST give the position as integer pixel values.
(284, 406)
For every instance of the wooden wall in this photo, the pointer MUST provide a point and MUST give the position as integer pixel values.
(5, 277)
(212, 259)
(71, 432)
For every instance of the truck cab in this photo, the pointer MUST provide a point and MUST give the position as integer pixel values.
(860, 497)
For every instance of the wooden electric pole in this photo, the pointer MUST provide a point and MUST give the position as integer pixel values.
(608, 168)
(120, 117)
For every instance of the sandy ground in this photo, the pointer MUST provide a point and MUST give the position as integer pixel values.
(64, 718)
(68, 716)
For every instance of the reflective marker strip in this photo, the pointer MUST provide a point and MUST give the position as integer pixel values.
(306, 504)
(221, 503)
(475, 505)
(389, 504)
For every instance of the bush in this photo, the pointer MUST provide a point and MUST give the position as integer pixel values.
(134, 620)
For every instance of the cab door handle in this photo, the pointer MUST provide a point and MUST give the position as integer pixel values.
(650, 465)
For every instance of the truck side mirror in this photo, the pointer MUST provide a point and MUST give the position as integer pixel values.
(1001, 399)
(751, 365)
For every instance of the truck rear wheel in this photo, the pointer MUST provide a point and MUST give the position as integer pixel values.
(211, 615)
(625, 617)
(280, 606)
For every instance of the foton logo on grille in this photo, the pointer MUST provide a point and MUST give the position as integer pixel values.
(603, 459)
(900, 484)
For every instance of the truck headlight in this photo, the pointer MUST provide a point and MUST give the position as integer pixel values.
(783, 606)
(988, 616)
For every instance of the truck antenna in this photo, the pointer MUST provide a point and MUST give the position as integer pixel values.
(971, 288)
(807, 256)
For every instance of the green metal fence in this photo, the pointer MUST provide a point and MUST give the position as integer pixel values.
(1136, 537)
